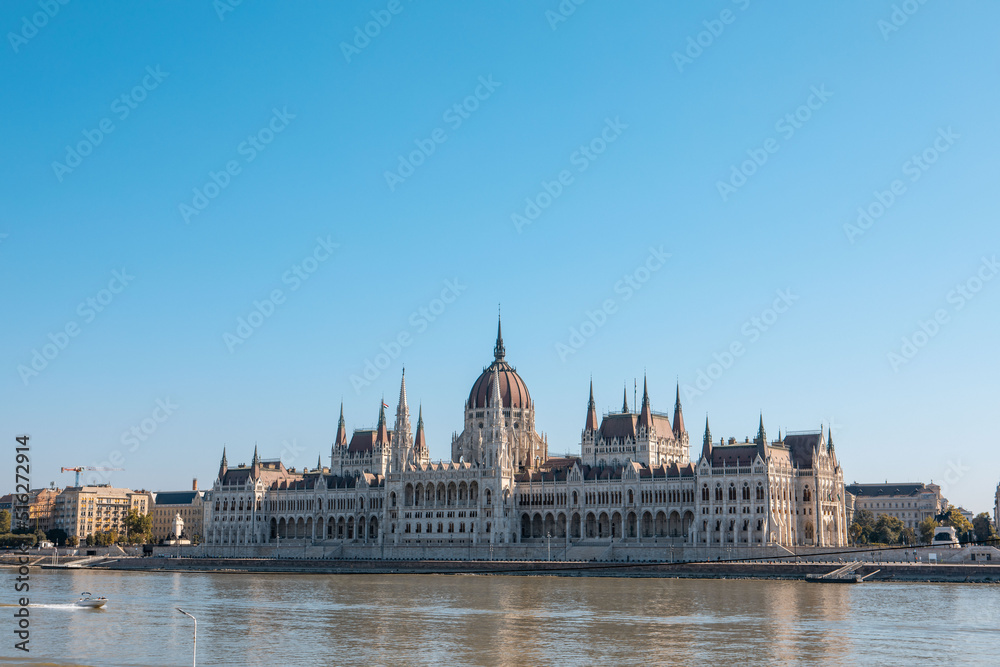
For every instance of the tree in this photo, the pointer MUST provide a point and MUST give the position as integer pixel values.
(106, 538)
(926, 529)
(983, 527)
(72, 541)
(908, 536)
(90, 540)
(4, 521)
(887, 529)
(961, 525)
(855, 532)
(138, 527)
(56, 536)
(865, 521)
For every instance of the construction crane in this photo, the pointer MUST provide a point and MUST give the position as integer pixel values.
(77, 470)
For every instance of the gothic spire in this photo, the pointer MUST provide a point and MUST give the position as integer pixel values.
(381, 432)
(341, 440)
(761, 438)
(829, 439)
(591, 423)
(319, 462)
(419, 443)
(625, 400)
(706, 442)
(402, 426)
(498, 350)
(223, 464)
(256, 459)
(645, 413)
(402, 394)
(679, 414)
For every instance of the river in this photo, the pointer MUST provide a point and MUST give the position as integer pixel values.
(271, 619)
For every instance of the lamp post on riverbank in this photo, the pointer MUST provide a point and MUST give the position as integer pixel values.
(194, 657)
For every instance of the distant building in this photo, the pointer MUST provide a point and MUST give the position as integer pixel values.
(996, 509)
(168, 504)
(909, 502)
(7, 501)
(85, 510)
(41, 508)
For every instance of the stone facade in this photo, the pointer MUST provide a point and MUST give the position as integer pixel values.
(83, 511)
(189, 505)
(910, 502)
(634, 485)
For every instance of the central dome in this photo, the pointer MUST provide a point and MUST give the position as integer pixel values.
(513, 391)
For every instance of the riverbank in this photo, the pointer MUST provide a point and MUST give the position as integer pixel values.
(904, 572)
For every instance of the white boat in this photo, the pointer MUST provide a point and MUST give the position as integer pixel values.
(86, 600)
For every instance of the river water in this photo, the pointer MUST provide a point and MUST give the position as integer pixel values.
(269, 619)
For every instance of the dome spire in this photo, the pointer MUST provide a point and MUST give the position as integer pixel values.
(498, 351)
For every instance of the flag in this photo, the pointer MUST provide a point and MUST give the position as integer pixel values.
(384, 404)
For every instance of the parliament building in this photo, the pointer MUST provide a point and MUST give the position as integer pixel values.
(635, 487)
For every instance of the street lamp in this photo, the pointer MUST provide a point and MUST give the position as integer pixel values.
(548, 544)
(194, 658)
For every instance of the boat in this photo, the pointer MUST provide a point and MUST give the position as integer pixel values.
(87, 600)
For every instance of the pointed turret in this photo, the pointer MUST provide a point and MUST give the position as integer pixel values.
(625, 400)
(591, 423)
(401, 406)
(256, 458)
(829, 439)
(498, 351)
(402, 425)
(419, 442)
(679, 414)
(706, 442)
(381, 432)
(223, 465)
(341, 440)
(319, 462)
(761, 438)
(645, 413)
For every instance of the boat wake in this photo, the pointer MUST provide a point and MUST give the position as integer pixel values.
(66, 606)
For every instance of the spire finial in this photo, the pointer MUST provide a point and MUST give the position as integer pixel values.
(498, 351)
(625, 399)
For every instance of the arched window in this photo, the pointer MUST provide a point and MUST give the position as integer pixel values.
(746, 491)
(806, 496)
(732, 492)
(631, 497)
(718, 492)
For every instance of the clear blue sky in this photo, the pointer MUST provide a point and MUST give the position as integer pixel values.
(330, 121)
